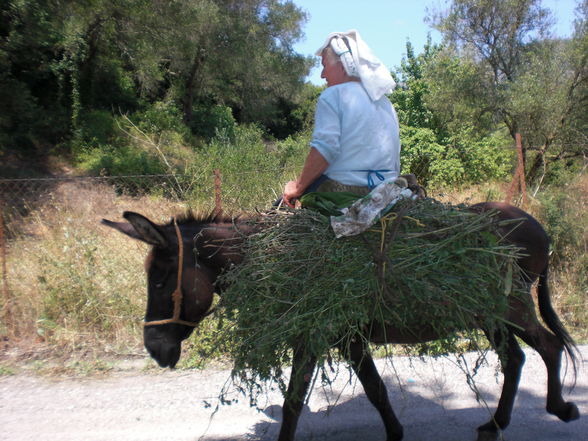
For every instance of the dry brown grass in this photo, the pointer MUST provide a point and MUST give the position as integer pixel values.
(77, 287)
(564, 215)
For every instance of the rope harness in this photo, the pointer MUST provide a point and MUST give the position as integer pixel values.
(177, 295)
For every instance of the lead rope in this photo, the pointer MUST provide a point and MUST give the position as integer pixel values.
(177, 294)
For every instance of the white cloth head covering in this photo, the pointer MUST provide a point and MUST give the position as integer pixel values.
(359, 61)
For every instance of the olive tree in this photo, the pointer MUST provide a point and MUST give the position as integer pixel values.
(506, 64)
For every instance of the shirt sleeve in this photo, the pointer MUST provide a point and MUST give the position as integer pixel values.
(327, 129)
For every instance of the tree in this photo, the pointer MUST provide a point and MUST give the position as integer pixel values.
(28, 87)
(439, 142)
(63, 62)
(231, 52)
(409, 98)
(523, 77)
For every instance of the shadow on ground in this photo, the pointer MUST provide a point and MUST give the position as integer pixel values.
(425, 419)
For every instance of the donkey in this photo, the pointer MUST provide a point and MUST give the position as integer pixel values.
(180, 294)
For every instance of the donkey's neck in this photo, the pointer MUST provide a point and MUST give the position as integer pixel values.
(220, 244)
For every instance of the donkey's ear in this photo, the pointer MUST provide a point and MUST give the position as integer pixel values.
(147, 230)
(139, 228)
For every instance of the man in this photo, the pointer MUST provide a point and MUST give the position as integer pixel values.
(355, 143)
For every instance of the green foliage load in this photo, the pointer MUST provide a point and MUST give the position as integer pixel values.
(425, 266)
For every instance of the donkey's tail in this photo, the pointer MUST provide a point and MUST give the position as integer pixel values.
(553, 322)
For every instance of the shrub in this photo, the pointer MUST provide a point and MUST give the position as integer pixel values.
(108, 160)
(160, 117)
(482, 159)
(563, 214)
(564, 224)
(249, 170)
(420, 151)
(211, 121)
(98, 127)
(462, 160)
(292, 151)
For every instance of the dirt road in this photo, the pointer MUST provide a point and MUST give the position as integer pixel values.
(431, 398)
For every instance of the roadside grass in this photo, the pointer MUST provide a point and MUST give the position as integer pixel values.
(563, 214)
(78, 289)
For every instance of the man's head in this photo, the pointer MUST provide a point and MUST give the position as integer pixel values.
(350, 59)
(333, 69)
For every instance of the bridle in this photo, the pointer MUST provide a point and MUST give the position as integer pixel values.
(177, 295)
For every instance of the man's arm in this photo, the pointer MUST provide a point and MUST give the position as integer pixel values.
(314, 166)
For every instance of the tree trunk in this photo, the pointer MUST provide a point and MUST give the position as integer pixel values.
(537, 164)
(188, 99)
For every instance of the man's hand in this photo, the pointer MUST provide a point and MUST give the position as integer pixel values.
(292, 191)
(314, 166)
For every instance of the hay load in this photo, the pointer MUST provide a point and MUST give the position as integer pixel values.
(423, 264)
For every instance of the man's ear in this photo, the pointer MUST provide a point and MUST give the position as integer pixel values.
(139, 228)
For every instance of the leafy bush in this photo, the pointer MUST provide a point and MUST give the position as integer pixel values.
(98, 127)
(420, 152)
(22, 121)
(210, 121)
(108, 160)
(292, 151)
(560, 173)
(563, 214)
(160, 117)
(487, 159)
(563, 224)
(248, 168)
(460, 161)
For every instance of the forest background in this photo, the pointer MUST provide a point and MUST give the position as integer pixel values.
(151, 87)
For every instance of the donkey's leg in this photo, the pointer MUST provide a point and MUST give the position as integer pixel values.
(365, 369)
(512, 359)
(302, 369)
(550, 347)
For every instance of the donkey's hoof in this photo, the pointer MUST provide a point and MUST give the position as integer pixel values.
(568, 413)
(487, 435)
(571, 413)
(396, 435)
(488, 432)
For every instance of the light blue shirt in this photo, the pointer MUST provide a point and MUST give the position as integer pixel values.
(355, 134)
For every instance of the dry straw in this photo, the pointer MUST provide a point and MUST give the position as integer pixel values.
(424, 264)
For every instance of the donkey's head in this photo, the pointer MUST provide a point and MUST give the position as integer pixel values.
(179, 285)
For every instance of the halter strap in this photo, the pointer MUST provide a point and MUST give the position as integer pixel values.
(177, 295)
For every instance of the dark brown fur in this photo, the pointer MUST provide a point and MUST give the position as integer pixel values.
(213, 241)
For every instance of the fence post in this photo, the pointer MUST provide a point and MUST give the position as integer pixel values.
(519, 176)
(218, 207)
(522, 182)
(6, 310)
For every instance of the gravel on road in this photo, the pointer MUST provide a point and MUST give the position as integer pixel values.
(430, 397)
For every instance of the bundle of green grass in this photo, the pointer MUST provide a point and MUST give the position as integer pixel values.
(423, 264)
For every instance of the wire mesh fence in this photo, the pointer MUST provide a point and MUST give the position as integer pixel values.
(54, 223)
(23, 195)
(235, 192)
(52, 244)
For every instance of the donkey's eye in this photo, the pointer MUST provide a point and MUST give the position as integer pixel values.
(159, 277)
